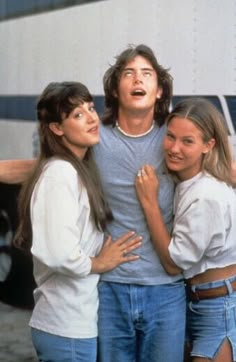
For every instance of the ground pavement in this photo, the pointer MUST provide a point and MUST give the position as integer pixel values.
(15, 342)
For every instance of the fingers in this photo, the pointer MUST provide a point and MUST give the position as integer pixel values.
(141, 172)
(132, 245)
(114, 253)
(131, 258)
(108, 240)
(145, 171)
(126, 246)
(124, 238)
(126, 256)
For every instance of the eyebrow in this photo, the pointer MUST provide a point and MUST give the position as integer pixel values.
(145, 68)
(173, 134)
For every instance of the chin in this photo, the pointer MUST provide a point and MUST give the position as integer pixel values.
(172, 167)
(94, 140)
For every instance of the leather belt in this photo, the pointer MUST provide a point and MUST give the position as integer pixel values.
(217, 292)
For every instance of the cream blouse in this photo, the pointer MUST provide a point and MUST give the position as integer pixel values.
(204, 231)
(64, 238)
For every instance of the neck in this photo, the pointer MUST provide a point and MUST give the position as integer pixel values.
(135, 125)
(137, 134)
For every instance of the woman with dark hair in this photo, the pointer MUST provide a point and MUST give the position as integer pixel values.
(62, 215)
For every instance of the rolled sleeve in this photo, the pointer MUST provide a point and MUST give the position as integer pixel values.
(199, 231)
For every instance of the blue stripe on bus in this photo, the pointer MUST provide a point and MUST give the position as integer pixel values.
(23, 107)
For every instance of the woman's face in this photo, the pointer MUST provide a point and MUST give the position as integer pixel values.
(80, 129)
(184, 148)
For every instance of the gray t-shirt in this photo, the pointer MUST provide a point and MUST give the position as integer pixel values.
(119, 158)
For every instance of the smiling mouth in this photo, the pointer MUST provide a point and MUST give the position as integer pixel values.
(174, 158)
(94, 129)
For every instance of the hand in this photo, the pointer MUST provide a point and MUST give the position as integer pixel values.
(147, 185)
(116, 252)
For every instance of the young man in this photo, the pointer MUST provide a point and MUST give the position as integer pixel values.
(137, 300)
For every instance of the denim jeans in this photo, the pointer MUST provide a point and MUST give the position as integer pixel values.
(141, 323)
(211, 321)
(52, 348)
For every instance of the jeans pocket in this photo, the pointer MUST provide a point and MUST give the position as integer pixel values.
(208, 307)
(195, 309)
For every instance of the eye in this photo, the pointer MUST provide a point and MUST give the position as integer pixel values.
(188, 141)
(170, 136)
(92, 108)
(127, 73)
(147, 73)
(78, 115)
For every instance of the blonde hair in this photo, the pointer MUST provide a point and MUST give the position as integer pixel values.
(206, 117)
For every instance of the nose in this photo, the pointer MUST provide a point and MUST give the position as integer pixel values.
(175, 147)
(93, 117)
(137, 77)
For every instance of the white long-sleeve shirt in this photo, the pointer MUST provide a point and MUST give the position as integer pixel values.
(204, 232)
(64, 238)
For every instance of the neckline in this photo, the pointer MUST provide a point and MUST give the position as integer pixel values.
(135, 136)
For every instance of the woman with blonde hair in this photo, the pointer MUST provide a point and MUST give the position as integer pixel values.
(202, 244)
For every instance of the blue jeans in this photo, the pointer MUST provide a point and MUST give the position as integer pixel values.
(211, 321)
(52, 348)
(141, 323)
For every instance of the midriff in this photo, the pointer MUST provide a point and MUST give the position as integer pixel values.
(212, 275)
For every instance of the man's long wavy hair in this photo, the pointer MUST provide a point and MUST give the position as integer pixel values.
(210, 121)
(111, 81)
(54, 105)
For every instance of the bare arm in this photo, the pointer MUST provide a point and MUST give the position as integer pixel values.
(15, 171)
(147, 188)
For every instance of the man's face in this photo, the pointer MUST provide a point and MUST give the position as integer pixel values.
(138, 86)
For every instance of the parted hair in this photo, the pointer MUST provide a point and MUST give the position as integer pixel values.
(210, 121)
(111, 81)
(55, 104)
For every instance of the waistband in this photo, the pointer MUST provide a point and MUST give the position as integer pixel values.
(216, 289)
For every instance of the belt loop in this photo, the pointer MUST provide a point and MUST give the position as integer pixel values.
(229, 286)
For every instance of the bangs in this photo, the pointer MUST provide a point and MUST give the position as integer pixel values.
(73, 97)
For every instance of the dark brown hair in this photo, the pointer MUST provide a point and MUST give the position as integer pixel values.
(54, 105)
(111, 81)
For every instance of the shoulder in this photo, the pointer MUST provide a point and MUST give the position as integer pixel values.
(210, 192)
(58, 176)
(211, 188)
(56, 167)
(60, 172)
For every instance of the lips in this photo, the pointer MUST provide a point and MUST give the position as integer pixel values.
(138, 92)
(93, 129)
(173, 158)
